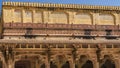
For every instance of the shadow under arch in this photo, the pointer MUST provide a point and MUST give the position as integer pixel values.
(108, 63)
(52, 65)
(1, 64)
(22, 64)
(66, 65)
(84, 62)
(88, 64)
(43, 65)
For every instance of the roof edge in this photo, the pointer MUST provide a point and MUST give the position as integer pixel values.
(76, 6)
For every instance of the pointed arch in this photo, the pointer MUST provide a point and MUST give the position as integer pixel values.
(88, 64)
(66, 65)
(107, 62)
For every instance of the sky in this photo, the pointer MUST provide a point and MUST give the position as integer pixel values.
(86, 2)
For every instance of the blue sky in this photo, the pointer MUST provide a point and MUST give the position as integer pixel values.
(89, 2)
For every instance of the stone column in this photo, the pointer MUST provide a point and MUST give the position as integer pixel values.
(10, 64)
(72, 64)
(96, 64)
(116, 19)
(70, 17)
(47, 63)
(33, 16)
(95, 18)
(37, 64)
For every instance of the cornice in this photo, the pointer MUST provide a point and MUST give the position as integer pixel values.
(71, 6)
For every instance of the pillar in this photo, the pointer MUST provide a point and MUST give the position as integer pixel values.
(95, 18)
(33, 16)
(116, 18)
(11, 64)
(72, 64)
(96, 64)
(47, 63)
(70, 17)
(37, 64)
(23, 16)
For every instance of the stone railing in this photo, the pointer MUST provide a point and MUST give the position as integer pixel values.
(77, 6)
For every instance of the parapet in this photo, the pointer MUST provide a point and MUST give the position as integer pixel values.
(74, 6)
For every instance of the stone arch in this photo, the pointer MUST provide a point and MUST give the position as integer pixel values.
(59, 60)
(59, 17)
(66, 65)
(83, 18)
(29, 58)
(88, 64)
(107, 62)
(83, 61)
(106, 19)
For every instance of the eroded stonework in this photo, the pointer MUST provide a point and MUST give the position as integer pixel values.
(38, 35)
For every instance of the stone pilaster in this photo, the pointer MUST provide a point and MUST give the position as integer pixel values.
(96, 19)
(33, 16)
(116, 18)
(23, 16)
(70, 17)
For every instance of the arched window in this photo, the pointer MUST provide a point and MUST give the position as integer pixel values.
(106, 19)
(88, 64)
(83, 18)
(108, 63)
(17, 15)
(66, 65)
(58, 17)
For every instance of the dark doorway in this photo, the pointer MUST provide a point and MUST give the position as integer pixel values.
(108, 64)
(88, 64)
(66, 65)
(22, 64)
(1, 64)
(42, 66)
(52, 65)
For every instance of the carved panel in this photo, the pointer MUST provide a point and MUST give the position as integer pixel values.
(38, 17)
(28, 16)
(106, 19)
(58, 17)
(7, 13)
(83, 18)
(17, 15)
